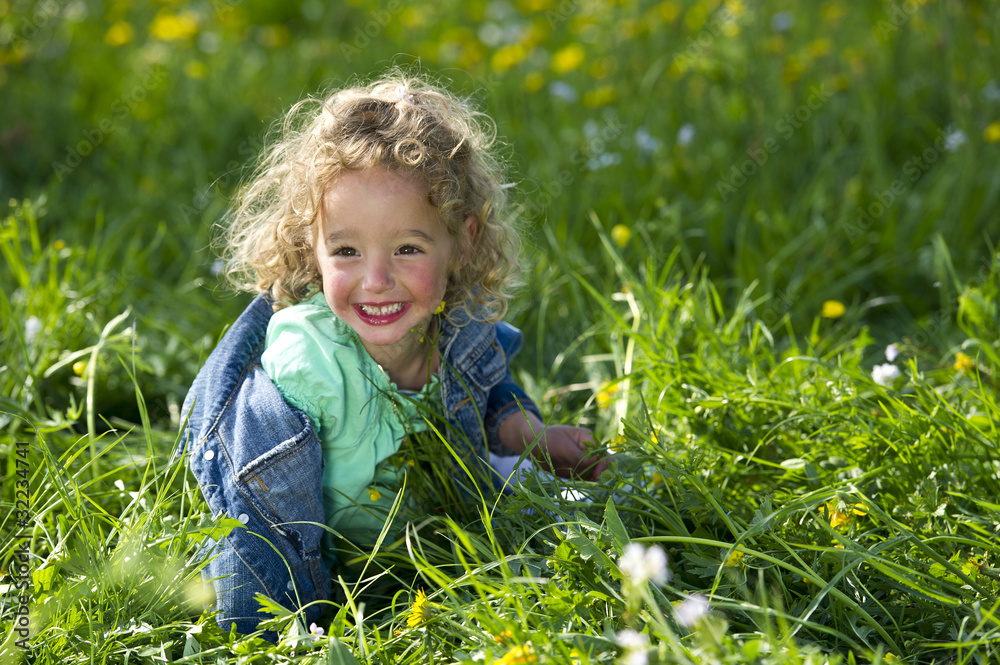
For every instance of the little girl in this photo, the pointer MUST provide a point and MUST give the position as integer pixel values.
(376, 230)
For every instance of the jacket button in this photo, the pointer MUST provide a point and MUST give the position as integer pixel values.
(243, 518)
(209, 454)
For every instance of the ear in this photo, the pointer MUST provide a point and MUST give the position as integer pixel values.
(466, 243)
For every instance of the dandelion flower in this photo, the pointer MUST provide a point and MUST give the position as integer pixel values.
(992, 132)
(832, 309)
(518, 655)
(641, 564)
(419, 611)
(692, 610)
(885, 374)
(119, 34)
(621, 234)
(567, 59)
(963, 362)
(891, 352)
(173, 27)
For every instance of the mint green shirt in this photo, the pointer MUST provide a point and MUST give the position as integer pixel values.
(319, 366)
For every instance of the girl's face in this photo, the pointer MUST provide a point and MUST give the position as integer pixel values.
(385, 257)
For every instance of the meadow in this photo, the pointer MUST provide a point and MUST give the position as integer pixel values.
(760, 263)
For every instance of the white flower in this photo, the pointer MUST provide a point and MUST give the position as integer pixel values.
(642, 565)
(32, 327)
(782, 21)
(564, 91)
(685, 135)
(605, 159)
(954, 139)
(315, 632)
(891, 352)
(990, 91)
(691, 610)
(634, 644)
(884, 375)
(645, 141)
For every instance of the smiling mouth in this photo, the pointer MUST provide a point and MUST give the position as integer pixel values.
(381, 310)
(380, 315)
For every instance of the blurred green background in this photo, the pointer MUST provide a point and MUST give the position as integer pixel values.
(812, 150)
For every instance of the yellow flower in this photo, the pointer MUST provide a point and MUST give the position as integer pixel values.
(963, 362)
(735, 559)
(657, 479)
(518, 655)
(621, 234)
(508, 56)
(992, 132)
(505, 636)
(832, 309)
(58, 245)
(567, 59)
(420, 610)
(374, 494)
(618, 444)
(79, 367)
(119, 34)
(171, 27)
(841, 519)
(534, 81)
(600, 97)
(440, 308)
(195, 69)
(606, 395)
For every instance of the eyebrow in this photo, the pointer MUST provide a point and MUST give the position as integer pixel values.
(342, 235)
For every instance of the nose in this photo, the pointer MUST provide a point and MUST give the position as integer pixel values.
(378, 276)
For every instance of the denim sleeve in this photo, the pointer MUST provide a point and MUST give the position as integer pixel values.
(506, 397)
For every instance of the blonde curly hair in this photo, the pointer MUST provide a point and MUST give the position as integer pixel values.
(401, 123)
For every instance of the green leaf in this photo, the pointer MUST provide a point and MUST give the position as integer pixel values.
(615, 525)
(339, 654)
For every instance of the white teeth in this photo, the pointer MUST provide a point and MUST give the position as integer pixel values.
(383, 310)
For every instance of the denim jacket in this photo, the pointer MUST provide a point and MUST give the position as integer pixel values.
(258, 459)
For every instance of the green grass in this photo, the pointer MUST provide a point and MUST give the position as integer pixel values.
(827, 518)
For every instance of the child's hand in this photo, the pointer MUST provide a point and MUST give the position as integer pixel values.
(561, 449)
